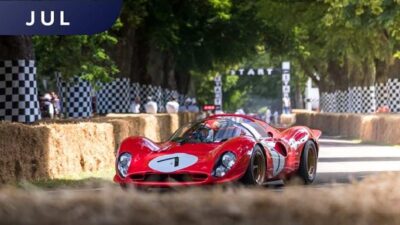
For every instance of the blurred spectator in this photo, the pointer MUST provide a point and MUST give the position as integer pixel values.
(240, 112)
(94, 104)
(48, 107)
(151, 106)
(276, 118)
(193, 108)
(172, 106)
(268, 115)
(135, 105)
(286, 105)
(56, 103)
(185, 107)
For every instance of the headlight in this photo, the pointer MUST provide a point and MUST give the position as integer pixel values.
(226, 162)
(124, 161)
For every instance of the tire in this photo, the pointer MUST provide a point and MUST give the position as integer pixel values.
(308, 163)
(256, 171)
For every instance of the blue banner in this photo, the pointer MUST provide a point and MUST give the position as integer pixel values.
(57, 17)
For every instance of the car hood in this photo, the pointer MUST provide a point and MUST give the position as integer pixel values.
(171, 157)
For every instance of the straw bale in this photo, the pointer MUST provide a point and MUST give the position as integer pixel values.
(23, 151)
(369, 128)
(303, 118)
(388, 129)
(373, 201)
(77, 148)
(288, 119)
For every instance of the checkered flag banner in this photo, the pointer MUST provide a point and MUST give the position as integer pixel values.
(18, 91)
(76, 97)
(363, 99)
(342, 101)
(114, 97)
(135, 90)
(393, 87)
(381, 94)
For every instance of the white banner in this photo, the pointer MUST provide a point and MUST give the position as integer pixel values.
(286, 89)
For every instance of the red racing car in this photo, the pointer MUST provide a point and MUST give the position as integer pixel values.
(220, 149)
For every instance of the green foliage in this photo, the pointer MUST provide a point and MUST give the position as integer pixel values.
(84, 56)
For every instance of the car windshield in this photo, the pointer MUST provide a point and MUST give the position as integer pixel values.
(256, 129)
(210, 131)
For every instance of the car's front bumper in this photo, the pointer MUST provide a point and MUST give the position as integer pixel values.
(170, 182)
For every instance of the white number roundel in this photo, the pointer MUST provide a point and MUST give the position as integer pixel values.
(173, 162)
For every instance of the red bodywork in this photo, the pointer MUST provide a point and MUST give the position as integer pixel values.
(283, 146)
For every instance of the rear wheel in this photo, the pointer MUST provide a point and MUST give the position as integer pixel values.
(308, 163)
(255, 173)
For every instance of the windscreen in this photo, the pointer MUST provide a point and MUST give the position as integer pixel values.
(209, 131)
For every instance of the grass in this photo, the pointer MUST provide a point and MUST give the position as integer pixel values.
(87, 179)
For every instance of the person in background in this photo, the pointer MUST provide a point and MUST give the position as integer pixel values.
(286, 105)
(268, 115)
(94, 104)
(185, 107)
(48, 107)
(193, 108)
(151, 106)
(56, 103)
(135, 105)
(276, 118)
(240, 112)
(172, 106)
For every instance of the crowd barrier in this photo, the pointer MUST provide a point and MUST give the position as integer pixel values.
(375, 128)
(57, 149)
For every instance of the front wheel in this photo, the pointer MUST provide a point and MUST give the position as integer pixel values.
(308, 163)
(255, 173)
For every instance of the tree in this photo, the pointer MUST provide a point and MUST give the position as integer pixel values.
(83, 56)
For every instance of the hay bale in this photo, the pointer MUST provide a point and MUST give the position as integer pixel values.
(24, 152)
(369, 128)
(373, 201)
(354, 126)
(77, 148)
(288, 119)
(303, 119)
(328, 123)
(388, 131)
(174, 122)
(124, 126)
(344, 121)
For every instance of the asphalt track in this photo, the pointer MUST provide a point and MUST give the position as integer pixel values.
(343, 161)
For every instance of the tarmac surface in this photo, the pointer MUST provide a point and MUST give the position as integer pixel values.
(343, 161)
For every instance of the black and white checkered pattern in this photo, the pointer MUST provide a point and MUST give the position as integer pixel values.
(342, 101)
(76, 95)
(328, 102)
(114, 97)
(356, 104)
(393, 87)
(368, 99)
(381, 95)
(18, 91)
(135, 90)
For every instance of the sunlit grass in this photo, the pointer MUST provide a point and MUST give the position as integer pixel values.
(86, 179)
